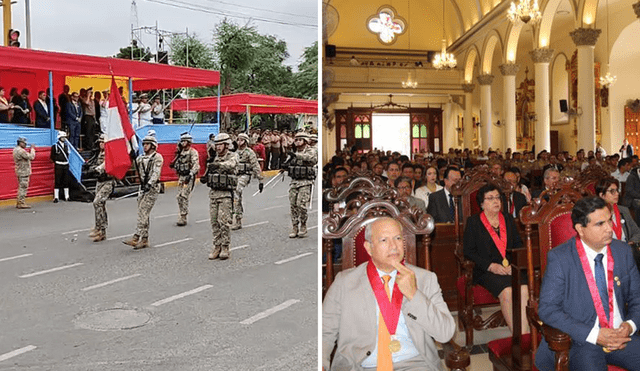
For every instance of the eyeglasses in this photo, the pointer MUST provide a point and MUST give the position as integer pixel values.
(492, 198)
(613, 191)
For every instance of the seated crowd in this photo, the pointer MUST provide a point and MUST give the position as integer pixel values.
(425, 182)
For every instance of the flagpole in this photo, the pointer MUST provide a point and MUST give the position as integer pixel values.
(51, 113)
(218, 106)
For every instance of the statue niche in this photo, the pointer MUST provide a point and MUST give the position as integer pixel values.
(525, 113)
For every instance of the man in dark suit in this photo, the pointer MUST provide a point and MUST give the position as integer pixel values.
(576, 291)
(43, 120)
(74, 117)
(517, 200)
(441, 202)
(551, 178)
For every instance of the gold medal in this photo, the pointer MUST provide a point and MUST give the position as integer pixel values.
(606, 350)
(505, 263)
(394, 346)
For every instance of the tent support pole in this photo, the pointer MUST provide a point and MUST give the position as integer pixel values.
(52, 117)
(248, 119)
(219, 126)
(130, 100)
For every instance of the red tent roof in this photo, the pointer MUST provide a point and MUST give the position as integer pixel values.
(17, 63)
(239, 103)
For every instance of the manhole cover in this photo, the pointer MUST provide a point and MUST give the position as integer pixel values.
(113, 319)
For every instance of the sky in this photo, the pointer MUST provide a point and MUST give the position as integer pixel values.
(102, 27)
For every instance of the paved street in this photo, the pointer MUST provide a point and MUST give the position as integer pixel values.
(69, 304)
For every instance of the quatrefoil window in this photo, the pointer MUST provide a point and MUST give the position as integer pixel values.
(386, 24)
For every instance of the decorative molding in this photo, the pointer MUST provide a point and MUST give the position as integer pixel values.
(509, 69)
(636, 9)
(485, 79)
(468, 88)
(585, 36)
(541, 55)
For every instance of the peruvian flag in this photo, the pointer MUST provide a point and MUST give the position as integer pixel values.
(120, 135)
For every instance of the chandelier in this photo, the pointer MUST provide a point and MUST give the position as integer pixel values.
(526, 11)
(409, 83)
(444, 61)
(608, 79)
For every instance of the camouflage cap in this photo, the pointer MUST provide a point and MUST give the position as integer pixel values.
(186, 136)
(151, 139)
(223, 138)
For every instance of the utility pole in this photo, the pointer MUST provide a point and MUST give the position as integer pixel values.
(6, 17)
(27, 13)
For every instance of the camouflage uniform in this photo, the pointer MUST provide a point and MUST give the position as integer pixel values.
(23, 159)
(104, 187)
(187, 164)
(149, 167)
(300, 190)
(247, 165)
(221, 198)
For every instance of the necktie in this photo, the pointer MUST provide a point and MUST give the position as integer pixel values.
(512, 208)
(452, 208)
(385, 363)
(601, 282)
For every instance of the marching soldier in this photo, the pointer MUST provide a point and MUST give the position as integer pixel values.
(302, 170)
(104, 187)
(221, 178)
(149, 167)
(60, 157)
(23, 159)
(186, 163)
(247, 165)
(313, 141)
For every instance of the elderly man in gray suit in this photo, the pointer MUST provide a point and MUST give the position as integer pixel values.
(384, 315)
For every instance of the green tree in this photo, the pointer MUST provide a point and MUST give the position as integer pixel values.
(305, 81)
(233, 46)
(200, 54)
(134, 52)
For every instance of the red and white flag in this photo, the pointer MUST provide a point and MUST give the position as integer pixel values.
(120, 137)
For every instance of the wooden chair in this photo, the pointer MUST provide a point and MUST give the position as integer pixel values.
(553, 219)
(376, 200)
(472, 298)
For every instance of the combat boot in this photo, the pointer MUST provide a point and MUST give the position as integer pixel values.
(294, 232)
(236, 223)
(144, 242)
(133, 241)
(100, 236)
(224, 254)
(303, 230)
(215, 252)
(182, 221)
(22, 205)
(94, 232)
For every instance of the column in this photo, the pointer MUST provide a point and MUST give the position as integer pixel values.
(485, 105)
(468, 115)
(541, 59)
(585, 40)
(509, 72)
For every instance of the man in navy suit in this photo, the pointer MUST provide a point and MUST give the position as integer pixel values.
(43, 120)
(74, 117)
(575, 292)
(441, 202)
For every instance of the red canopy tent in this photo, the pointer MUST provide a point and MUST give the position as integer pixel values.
(247, 102)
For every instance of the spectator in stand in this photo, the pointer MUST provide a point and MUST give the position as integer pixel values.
(97, 98)
(157, 112)
(622, 172)
(275, 150)
(5, 107)
(378, 169)
(266, 142)
(135, 113)
(521, 187)
(431, 185)
(22, 108)
(404, 186)
(40, 106)
(104, 109)
(627, 149)
(56, 109)
(88, 122)
(393, 172)
(441, 206)
(258, 148)
(74, 118)
(124, 99)
(63, 102)
(144, 110)
(496, 169)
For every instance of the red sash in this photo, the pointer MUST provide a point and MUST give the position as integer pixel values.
(593, 288)
(499, 241)
(617, 225)
(390, 309)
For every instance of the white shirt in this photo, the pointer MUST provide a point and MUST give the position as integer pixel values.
(620, 177)
(617, 318)
(157, 112)
(145, 114)
(424, 192)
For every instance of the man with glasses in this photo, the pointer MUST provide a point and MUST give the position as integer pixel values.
(403, 185)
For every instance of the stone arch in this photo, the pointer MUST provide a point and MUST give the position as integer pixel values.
(493, 38)
(559, 87)
(513, 36)
(588, 12)
(470, 60)
(548, 14)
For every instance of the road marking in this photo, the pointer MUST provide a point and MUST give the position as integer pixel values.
(49, 270)
(283, 196)
(202, 221)
(314, 227)
(254, 224)
(165, 216)
(273, 207)
(173, 242)
(110, 282)
(17, 352)
(269, 312)
(293, 258)
(179, 296)
(238, 247)
(15, 257)
(77, 230)
(118, 237)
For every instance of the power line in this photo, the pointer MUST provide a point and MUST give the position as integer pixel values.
(190, 6)
(263, 10)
